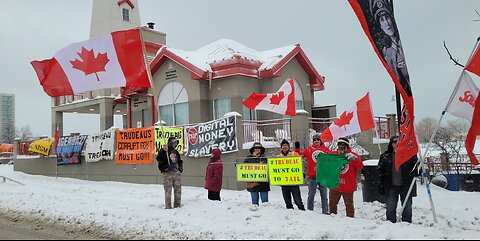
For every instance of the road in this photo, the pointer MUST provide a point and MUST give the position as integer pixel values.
(14, 229)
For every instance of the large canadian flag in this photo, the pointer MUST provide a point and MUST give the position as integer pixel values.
(114, 60)
(282, 102)
(358, 118)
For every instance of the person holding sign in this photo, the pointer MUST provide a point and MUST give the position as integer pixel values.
(214, 175)
(289, 191)
(347, 183)
(257, 189)
(311, 154)
(171, 165)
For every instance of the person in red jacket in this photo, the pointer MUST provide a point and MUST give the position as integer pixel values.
(214, 175)
(311, 153)
(348, 179)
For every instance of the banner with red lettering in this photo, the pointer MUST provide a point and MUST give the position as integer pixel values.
(378, 22)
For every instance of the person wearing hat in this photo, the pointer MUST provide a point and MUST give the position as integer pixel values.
(214, 175)
(311, 154)
(171, 165)
(257, 189)
(395, 183)
(347, 183)
(294, 190)
(390, 43)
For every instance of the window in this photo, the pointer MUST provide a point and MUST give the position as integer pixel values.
(221, 107)
(249, 114)
(126, 14)
(298, 96)
(173, 102)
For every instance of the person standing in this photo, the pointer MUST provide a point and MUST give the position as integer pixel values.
(311, 153)
(294, 190)
(257, 189)
(171, 165)
(347, 183)
(214, 175)
(395, 183)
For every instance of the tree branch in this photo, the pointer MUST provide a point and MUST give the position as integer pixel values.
(451, 58)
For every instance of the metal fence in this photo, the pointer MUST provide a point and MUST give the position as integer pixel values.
(269, 132)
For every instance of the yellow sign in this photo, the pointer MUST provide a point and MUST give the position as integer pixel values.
(252, 172)
(41, 146)
(285, 171)
(161, 137)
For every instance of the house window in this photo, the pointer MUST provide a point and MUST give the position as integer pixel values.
(221, 107)
(126, 14)
(249, 114)
(173, 103)
(299, 104)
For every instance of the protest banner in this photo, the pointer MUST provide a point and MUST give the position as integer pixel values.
(285, 171)
(135, 146)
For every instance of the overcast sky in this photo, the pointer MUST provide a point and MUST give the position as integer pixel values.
(327, 30)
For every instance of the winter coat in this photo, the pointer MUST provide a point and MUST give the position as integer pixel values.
(164, 161)
(263, 186)
(348, 177)
(311, 153)
(214, 173)
(407, 169)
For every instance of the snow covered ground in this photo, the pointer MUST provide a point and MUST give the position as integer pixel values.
(134, 211)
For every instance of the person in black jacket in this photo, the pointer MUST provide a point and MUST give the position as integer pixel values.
(171, 165)
(257, 189)
(395, 183)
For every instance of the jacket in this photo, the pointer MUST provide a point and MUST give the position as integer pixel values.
(348, 177)
(164, 161)
(264, 186)
(311, 153)
(408, 170)
(214, 173)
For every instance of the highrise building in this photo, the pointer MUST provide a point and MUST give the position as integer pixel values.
(7, 118)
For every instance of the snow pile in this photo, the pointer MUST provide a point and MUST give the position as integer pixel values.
(134, 211)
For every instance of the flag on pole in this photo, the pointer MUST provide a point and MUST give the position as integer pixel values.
(462, 101)
(114, 60)
(378, 22)
(281, 102)
(358, 118)
(474, 131)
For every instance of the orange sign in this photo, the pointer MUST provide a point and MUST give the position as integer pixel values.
(135, 146)
(6, 148)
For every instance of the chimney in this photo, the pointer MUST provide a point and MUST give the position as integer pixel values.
(151, 25)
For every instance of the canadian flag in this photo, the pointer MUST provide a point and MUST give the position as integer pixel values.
(282, 102)
(114, 60)
(357, 119)
(462, 101)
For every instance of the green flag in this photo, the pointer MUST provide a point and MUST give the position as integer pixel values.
(329, 167)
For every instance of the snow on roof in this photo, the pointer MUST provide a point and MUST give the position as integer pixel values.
(225, 49)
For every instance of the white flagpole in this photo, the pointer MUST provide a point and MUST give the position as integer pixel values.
(422, 158)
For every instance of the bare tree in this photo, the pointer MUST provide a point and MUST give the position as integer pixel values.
(24, 133)
(425, 129)
(8, 134)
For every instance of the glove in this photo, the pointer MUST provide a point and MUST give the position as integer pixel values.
(350, 156)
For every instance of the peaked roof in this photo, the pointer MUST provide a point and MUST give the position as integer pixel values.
(226, 57)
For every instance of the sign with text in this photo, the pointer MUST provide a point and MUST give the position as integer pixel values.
(252, 172)
(41, 146)
(285, 171)
(69, 149)
(135, 146)
(100, 146)
(162, 135)
(202, 138)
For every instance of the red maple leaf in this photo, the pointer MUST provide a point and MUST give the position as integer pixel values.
(276, 98)
(344, 119)
(90, 64)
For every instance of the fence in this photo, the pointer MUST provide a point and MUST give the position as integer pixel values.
(268, 132)
(382, 127)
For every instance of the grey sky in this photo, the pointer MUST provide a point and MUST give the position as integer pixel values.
(327, 30)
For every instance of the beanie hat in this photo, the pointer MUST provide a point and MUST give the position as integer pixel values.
(343, 140)
(285, 142)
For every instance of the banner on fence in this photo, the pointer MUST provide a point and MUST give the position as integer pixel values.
(202, 138)
(100, 146)
(162, 135)
(135, 146)
(41, 146)
(285, 170)
(69, 149)
(252, 172)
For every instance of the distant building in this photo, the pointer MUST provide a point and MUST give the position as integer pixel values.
(7, 118)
